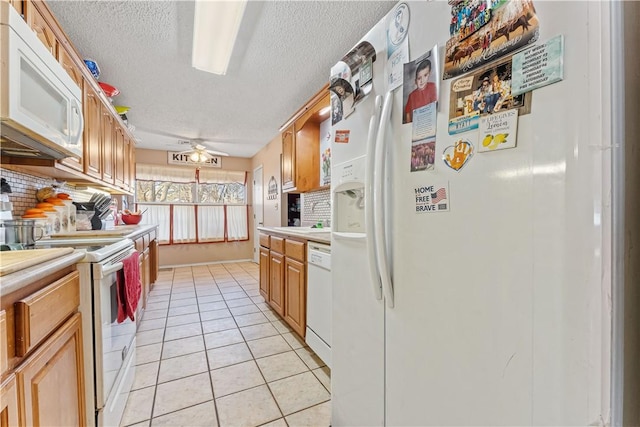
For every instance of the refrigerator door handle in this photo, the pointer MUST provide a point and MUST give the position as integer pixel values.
(368, 197)
(378, 201)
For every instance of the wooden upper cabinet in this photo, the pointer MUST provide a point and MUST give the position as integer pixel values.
(64, 58)
(43, 30)
(130, 178)
(92, 133)
(288, 159)
(120, 155)
(17, 5)
(107, 136)
(301, 146)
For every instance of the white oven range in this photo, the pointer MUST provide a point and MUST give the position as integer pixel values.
(109, 346)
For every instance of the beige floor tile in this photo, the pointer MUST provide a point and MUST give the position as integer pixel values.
(223, 338)
(316, 416)
(158, 298)
(146, 375)
(148, 353)
(182, 366)
(154, 314)
(210, 306)
(207, 291)
(234, 295)
(202, 415)
(247, 408)
(245, 309)
(182, 346)
(298, 392)
(239, 302)
(145, 423)
(324, 375)
(182, 331)
(215, 314)
(280, 422)
(281, 365)
(182, 302)
(235, 378)
(149, 337)
(185, 309)
(210, 298)
(280, 326)
(183, 319)
(268, 346)
(250, 319)
(228, 355)
(158, 305)
(309, 358)
(294, 340)
(253, 292)
(182, 393)
(261, 330)
(263, 306)
(218, 325)
(258, 298)
(147, 325)
(230, 289)
(271, 316)
(138, 407)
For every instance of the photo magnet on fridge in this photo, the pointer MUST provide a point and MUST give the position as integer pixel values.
(456, 156)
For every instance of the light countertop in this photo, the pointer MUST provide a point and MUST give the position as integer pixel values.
(321, 235)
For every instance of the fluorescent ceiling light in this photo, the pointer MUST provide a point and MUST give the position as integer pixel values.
(215, 28)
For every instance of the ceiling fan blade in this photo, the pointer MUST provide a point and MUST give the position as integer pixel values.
(217, 153)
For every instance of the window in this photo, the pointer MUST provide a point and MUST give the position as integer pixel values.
(193, 206)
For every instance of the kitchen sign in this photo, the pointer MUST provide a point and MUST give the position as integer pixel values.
(178, 158)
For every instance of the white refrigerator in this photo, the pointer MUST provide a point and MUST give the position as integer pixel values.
(501, 303)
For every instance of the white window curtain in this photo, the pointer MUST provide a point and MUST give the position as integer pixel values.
(214, 176)
(237, 224)
(157, 214)
(210, 223)
(184, 226)
(147, 172)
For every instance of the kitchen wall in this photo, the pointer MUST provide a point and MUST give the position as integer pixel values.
(275, 210)
(316, 207)
(183, 254)
(25, 185)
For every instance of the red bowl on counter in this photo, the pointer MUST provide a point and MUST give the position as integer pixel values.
(131, 219)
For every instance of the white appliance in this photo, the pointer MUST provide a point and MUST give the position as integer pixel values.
(318, 335)
(40, 105)
(504, 309)
(109, 346)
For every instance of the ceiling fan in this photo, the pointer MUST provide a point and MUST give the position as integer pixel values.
(199, 152)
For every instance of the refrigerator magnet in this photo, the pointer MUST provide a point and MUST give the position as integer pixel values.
(432, 198)
(456, 156)
(498, 131)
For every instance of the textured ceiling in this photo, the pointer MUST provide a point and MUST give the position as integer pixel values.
(282, 58)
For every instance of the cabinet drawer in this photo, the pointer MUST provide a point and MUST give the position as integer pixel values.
(37, 315)
(277, 244)
(264, 240)
(294, 250)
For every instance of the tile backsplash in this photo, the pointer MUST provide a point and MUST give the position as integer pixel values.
(316, 206)
(25, 185)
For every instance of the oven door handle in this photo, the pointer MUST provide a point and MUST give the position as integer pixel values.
(105, 271)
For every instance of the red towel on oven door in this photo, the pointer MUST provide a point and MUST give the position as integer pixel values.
(128, 287)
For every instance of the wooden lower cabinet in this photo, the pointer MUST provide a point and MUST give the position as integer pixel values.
(295, 296)
(276, 282)
(264, 273)
(9, 409)
(283, 279)
(51, 380)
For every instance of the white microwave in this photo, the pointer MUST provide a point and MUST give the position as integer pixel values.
(40, 105)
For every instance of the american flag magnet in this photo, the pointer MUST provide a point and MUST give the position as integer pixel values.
(432, 198)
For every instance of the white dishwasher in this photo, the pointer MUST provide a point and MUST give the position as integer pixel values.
(319, 300)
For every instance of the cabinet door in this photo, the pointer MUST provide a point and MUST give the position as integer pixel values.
(288, 159)
(65, 59)
(154, 263)
(92, 133)
(119, 156)
(51, 381)
(42, 29)
(264, 273)
(295, 296)
(9, 402)
(107, 136)
(130, 163)
(146, 276)
(276, 283)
